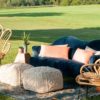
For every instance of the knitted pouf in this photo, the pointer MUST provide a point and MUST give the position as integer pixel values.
(11, 73)
(42, 79)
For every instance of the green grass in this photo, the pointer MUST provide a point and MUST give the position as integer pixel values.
(3, 97)
(46, 24)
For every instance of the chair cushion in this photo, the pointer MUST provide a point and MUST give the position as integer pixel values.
(42, 79)
(54, 51)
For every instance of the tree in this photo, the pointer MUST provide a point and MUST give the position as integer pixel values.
(47, 2)
(15, 2)
(64, 2)
(29, 2)
(8, 3)
(75, 2)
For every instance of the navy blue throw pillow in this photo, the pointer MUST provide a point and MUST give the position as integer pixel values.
(94, 45)
(35, 50)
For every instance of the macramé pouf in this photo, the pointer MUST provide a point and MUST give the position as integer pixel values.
(11, 73)
(42, 79)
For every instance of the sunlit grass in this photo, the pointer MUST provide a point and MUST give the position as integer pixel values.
(51, 17)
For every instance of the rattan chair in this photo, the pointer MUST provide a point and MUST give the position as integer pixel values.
(1, 30)
(89, 74)
(5, 35)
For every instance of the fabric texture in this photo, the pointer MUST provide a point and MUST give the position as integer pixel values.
(54, 51)
(82, 55)
(36, 50)
(92, 50)
(94, 44)
(20, 58)
(69, 68)
(94, 58)
(42, 79)
(11, 73)
(97, 53)
(73, 43)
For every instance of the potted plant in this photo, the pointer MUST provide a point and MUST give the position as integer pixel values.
(26, 37)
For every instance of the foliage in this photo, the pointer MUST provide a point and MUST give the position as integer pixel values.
(64, 2)
(26, 37)
(8, 3)
(76, 2)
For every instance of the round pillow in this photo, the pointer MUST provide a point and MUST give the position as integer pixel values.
(42, 79)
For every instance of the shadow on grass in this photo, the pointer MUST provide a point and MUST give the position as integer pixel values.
(39, 14)
(49, 35)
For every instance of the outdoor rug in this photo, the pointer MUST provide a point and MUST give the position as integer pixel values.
(75, 93)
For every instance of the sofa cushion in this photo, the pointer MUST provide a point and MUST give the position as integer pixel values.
(67, 67)
(90, 49)
(72, 42)
(94, 45)
(82, 55)
(35, 50)
(54, 51)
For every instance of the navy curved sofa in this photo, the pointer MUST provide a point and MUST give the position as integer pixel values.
(69, 68)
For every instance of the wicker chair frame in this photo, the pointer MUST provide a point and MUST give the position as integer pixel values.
(5, 35)
(89, 74)
(1, 30)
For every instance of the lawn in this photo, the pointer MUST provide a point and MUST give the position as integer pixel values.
(46, 24)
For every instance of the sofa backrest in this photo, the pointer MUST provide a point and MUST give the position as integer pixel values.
(94, 44)
(72, 42)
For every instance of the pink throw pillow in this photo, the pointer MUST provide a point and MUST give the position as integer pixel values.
(82, 55)
(54, 51)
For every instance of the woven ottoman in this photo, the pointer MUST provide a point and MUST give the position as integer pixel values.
(42, 79)
(11, 73)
